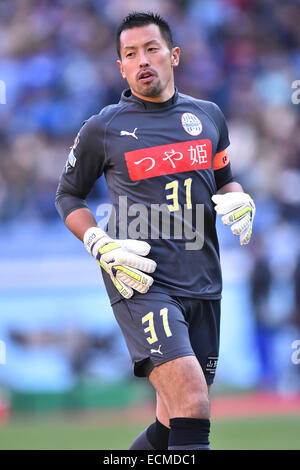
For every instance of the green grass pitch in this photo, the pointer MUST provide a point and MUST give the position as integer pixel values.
(261, 433)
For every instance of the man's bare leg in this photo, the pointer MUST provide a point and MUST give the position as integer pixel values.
(182, 387)
(182, 401)
(158, 432)
(156, 435)
(162, 412)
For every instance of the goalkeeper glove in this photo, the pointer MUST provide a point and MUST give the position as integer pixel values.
(123, 260)
(236, 207)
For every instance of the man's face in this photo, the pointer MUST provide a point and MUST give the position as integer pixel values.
(147, 63)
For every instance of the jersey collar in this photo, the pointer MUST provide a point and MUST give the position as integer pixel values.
(128, 96)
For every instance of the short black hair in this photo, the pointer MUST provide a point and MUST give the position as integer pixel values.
(137, 19)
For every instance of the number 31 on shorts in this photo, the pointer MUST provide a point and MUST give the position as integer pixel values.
(151, 329)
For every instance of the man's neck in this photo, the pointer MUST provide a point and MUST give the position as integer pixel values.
(156, 99)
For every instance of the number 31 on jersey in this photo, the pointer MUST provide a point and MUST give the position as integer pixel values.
(173, 196)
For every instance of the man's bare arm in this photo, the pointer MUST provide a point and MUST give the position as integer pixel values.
(230, 187)
(79, 221)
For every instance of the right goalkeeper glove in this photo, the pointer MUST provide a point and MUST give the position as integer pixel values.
(123, 260)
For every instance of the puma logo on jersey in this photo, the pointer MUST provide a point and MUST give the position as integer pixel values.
(130, 133)
(156, 350)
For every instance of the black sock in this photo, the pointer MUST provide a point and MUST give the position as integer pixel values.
(155, 437)
(189, 433)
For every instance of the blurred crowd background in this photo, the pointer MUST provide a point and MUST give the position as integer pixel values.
(58, 63)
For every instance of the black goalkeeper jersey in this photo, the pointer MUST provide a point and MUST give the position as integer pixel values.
(159, 160)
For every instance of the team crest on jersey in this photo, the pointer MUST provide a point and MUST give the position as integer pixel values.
(191, 124)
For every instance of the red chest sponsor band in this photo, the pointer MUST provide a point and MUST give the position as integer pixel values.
(167, 159)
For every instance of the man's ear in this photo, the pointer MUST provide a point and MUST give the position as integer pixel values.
(119, 62)
(175, 56)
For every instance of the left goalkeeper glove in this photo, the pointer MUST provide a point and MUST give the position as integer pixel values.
(236, 207)
(124, 261)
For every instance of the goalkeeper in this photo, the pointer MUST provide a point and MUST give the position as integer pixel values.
(160, 147)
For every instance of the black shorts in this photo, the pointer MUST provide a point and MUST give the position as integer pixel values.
(158, 328)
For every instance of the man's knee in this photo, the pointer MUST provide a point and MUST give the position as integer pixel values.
(182, 386)
(194, 404)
